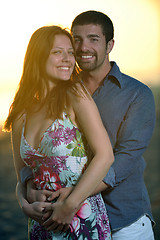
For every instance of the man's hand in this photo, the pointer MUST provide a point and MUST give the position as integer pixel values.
(35, 210)
(34, 195)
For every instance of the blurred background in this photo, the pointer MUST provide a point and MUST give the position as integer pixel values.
(136, 51)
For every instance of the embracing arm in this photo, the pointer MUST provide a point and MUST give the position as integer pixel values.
(34, 210)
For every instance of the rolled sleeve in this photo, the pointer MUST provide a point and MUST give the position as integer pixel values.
(25, 175)
(110, 177)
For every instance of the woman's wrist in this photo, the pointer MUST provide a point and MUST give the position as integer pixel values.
(71, 204)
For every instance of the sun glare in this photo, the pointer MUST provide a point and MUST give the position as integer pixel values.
(137, 36)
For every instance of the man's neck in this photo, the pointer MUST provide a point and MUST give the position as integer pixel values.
(94, 79)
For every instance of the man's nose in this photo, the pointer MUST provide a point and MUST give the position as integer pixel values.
(83, 46)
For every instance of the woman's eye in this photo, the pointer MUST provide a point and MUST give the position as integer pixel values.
(71, 53)
(56, 52)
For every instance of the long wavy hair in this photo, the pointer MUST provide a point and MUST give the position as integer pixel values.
(33, 87)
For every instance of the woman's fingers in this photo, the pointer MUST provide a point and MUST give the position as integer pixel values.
(53, 226)
(57, 228)
(49, 207)
(63, 193)
(66, 227)
(53, 195)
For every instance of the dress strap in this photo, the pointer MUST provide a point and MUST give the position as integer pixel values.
(65, 115)
(24, 123)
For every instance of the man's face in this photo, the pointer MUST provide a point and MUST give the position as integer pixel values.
(90, 44)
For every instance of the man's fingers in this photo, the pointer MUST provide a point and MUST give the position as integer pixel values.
(49, 207)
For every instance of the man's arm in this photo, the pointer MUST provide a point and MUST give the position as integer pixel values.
(133, 137)
(32, 194)
(33, 210)
(25, 175)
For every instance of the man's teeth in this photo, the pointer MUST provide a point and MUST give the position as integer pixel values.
(86, 57)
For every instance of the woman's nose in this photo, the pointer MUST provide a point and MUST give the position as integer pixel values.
(65, 56)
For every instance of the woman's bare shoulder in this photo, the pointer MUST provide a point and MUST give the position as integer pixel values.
(80, 92)
(18, 121)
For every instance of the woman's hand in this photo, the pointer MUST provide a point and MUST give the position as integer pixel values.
(61, 217)
(60, 194)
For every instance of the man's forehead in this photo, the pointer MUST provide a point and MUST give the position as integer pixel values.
(87, 29)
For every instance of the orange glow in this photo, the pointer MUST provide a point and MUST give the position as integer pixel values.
(137, 36)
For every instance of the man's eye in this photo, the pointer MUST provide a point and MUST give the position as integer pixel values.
(94, 40)
(77, 40)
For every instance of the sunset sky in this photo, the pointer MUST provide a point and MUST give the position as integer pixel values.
(137, 36)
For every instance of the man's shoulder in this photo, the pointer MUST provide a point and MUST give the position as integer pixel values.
(124, 79)
(129, 84)
(133, 82)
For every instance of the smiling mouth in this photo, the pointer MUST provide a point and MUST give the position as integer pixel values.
(64, 68)
(85, 57)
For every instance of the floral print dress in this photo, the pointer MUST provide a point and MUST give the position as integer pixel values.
(59, 162)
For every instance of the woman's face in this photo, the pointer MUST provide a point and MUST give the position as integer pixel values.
(61, 60)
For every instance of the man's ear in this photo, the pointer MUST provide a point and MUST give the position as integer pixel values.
(110, 45)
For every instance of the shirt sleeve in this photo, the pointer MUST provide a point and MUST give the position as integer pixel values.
(133, 137)
(25, 175)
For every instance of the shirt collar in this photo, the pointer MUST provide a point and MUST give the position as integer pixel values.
(115, 74)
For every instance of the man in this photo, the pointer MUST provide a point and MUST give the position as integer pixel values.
(127, 110)
(128, 113)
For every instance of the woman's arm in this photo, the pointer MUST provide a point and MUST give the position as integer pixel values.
(90, 122)
(16, 139)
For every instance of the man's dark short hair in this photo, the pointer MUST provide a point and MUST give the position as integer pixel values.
(97, 18)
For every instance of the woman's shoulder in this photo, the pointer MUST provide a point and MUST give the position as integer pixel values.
(79, 92)
(18, 121)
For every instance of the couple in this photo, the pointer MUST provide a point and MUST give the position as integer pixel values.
(56, 125)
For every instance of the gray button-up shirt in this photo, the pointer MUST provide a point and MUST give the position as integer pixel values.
(127, 110)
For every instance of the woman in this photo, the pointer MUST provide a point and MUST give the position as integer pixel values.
(51, 116)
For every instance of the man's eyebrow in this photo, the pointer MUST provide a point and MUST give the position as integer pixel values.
(93, 35)
(88, 36)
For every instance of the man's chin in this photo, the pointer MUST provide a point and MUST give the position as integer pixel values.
(86, 67)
